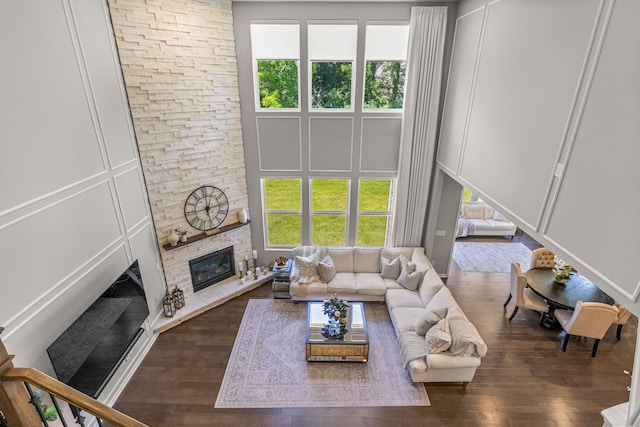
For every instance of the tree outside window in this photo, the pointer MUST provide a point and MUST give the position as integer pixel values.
(384, 84)
(278, 83)
(331, 85)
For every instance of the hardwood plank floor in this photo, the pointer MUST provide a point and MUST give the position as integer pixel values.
(525, 379)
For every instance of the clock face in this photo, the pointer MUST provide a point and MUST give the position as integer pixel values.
(206, 208)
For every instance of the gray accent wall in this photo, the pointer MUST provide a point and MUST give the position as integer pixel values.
(331, 144)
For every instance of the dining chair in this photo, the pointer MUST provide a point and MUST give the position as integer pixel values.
(621, 320)
(542, 257)
(588, 319)
(525, 297)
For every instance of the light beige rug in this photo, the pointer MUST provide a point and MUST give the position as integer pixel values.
(490, 257)
(268, 369)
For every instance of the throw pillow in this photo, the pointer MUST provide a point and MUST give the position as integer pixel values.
(390, 268)
(438, 338)
(308, 267)
(406, 264)
(326, 269)
(499, 217)
(465, 339)
(410, 280)
(425, 322)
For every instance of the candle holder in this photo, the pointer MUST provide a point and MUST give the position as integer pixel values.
(168, 306)
(178, 298)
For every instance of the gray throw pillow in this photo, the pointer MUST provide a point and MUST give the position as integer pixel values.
(326, 269)
(390, 268)
(424, 323)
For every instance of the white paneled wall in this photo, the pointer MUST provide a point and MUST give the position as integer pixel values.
(546, 128)
(74, 211)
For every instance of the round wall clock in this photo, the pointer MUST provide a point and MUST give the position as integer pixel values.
(206, 208)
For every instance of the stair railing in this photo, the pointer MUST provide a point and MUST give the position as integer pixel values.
(20, 408)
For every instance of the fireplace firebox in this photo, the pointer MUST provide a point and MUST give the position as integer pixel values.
(212, 268)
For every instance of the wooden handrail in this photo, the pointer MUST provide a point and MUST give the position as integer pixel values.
(70, 395)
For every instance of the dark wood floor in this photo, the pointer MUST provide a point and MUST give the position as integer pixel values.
(525, 379)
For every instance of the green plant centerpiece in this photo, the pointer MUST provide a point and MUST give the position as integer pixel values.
(336, 310)
(561, 271)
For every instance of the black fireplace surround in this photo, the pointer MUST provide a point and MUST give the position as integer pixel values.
(212, 268)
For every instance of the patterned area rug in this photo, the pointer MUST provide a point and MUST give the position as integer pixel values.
(490, 257)
(267, 367)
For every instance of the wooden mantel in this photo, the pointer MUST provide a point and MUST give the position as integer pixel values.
(206, 235)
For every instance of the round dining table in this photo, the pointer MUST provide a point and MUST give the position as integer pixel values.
(564, 295)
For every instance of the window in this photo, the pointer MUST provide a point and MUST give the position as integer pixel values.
(278, 83)
(282, 211)
(276, 53)
(331, 85)
(329, 211)
(318, 200)
(332, 54)
(374, 212)
(469, 196)
(385, 66)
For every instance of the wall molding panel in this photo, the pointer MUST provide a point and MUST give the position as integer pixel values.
(74, 149)
(279, 144)
(555, 147)
(330, 142)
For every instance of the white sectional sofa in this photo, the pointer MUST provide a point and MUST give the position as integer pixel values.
(416, 307)
(480, 219)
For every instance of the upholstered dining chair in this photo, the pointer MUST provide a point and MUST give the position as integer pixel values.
(621, 320)
(525, 297)
(588, 319)
(542, 257)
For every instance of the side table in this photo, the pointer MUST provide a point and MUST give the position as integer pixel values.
(281, 281)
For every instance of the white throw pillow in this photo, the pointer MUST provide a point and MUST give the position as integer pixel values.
(326, 269)
(308, 267)
(499, 217)
(406, 264)
(390, 268)
(424, 323)
(438, 338)
(410, 280)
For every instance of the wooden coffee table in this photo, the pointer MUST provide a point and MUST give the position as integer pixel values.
(353, 348)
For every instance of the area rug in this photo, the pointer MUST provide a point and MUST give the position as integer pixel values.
(490, 257)
(267, 367)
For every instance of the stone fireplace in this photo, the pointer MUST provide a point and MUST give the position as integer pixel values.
(180, 70)
(212, 268)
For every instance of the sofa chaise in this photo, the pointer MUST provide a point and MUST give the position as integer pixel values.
(480, 219)
(437, 342)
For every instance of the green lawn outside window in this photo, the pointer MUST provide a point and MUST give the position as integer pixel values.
(329, 211)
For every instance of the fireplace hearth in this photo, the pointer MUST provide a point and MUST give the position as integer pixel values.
(210, 269)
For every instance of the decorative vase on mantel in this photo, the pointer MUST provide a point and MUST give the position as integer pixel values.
(173, 239)
(243, 216)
